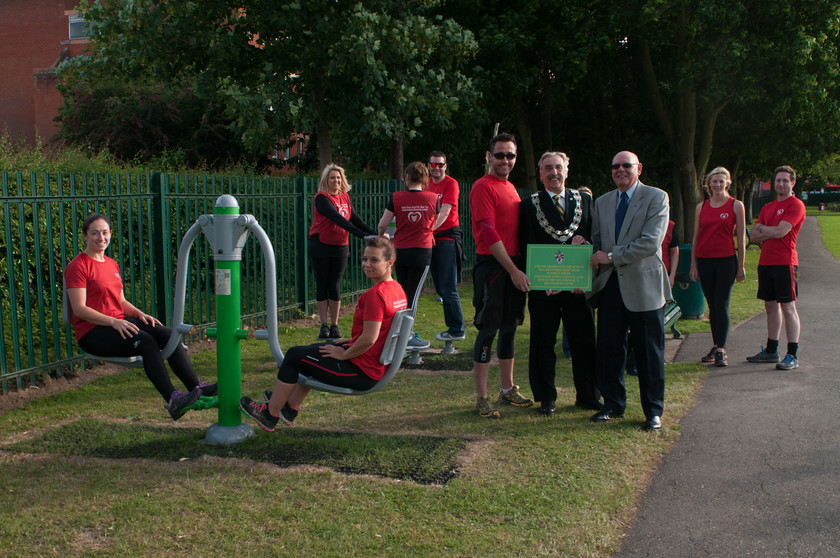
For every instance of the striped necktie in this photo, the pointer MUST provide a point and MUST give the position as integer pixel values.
(557, 198)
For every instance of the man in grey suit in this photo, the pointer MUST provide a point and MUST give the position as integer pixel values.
(630, 289)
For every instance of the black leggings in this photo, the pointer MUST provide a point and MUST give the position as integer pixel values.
(308, 360)
(328, 273)
(716, 278)
(409, 278)
(106, 341)
(504, 348)
(411, 263)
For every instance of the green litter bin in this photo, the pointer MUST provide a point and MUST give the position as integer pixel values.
(688, 294)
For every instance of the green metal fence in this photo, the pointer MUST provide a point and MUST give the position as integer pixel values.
(40, 229)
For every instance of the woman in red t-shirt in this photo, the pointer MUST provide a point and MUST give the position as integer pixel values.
(106, 324)
(713, 258)
(329, 244)
(415, 210)
(352, 363)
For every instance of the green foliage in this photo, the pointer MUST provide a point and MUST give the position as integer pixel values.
(21, 157)
(168, 127)
(362, 74)
(828, 168)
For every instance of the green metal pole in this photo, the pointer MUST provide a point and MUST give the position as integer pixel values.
(228, 237)
(228, 355)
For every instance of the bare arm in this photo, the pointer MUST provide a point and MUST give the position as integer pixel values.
(385, 221)
(520, 280)
(762, 232)
(78, 302)
(692, 273)
(740, 239)
(445, 209)
(370, 333)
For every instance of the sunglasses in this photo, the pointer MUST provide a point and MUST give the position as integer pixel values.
(616, 166)
(508, 156)
(437, 165)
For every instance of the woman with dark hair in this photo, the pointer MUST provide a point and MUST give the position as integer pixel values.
(106, 324)
(329, 244)
(352, 363)
(713, 258)
(415, 210)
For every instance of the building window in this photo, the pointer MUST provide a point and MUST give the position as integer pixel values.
(79, 29)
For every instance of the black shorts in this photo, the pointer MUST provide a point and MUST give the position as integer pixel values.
(779, 283)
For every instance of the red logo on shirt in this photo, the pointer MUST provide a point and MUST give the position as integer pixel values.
(780, 211)
(724, 215)
(414, 216)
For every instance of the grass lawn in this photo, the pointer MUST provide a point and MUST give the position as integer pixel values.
(829, 222)
(408, 471)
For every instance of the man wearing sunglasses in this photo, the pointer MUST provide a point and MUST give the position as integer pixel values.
(498, 280)
(630, 290)
(559, 215)
(449, 247)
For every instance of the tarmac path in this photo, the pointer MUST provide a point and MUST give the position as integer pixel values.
(756, 471)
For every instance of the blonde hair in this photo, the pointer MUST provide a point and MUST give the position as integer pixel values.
(719, 170)
(323, 184)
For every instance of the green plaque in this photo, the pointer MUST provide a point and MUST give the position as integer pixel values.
(559, 267)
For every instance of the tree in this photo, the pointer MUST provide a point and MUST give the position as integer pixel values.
(697, 59)
(290, 67)
(531, 56)
(147, 122)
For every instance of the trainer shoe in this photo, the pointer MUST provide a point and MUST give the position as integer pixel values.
(414, 342)
(789, 363)
(485, 408)
(446, 336)
(287, 414)
(764, 356)
(325, 332)
(208, 389)
(709, 357)
(334, 332)
(513, 397)
(180, 400)
(258, 410)
(720, 358)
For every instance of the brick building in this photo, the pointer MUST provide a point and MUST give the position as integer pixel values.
(36, 36)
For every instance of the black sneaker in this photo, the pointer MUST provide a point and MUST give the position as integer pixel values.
(208, 390)
(334, 333)
(324, 333)
(258, 410)
(711, 356)
(180, 401)
(287, 414)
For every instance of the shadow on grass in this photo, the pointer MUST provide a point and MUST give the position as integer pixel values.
(421, 459)
(458, 362)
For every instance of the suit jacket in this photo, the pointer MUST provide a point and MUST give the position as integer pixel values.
(530, 230)
(636, 255)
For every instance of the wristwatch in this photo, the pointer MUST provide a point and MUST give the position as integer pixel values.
(609, 256)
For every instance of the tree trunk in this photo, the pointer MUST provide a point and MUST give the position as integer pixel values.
(526, 157)
(396, 165)
(322, 125)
